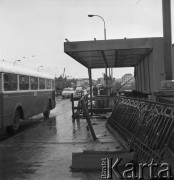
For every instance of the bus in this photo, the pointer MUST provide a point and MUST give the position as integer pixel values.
(24, 93)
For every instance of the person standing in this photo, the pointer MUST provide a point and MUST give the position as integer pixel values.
(95, 90)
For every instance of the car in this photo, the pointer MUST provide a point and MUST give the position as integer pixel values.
(88, 89)
(85, 91)
(79, 88)
(79, 92)
(66, 93)
(99, 86)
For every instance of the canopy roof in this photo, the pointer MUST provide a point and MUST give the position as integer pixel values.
(109, 53)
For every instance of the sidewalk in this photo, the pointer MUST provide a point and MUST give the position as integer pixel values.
(77, 139)
(44, 152)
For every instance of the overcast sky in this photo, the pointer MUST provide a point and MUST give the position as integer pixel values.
(34, 31)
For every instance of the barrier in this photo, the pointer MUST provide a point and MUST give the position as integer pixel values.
(148, 127)
(83, 103)
(98, 104)
(85, 106)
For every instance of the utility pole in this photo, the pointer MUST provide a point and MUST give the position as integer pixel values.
(167, 35)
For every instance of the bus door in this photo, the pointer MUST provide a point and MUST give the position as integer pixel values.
(34, 94)
(53, 94)
(42, 96)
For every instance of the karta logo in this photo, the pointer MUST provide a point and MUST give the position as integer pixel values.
(133, 171)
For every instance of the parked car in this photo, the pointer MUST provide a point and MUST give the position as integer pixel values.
(79, 88)
(79, 92)
(66, 93)
(85, 91)
(88, 89)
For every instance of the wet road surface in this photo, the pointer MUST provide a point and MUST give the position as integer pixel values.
(42, 150)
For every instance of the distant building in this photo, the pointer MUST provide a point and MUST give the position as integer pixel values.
(84, 82)
(117, 80)
(127, 82)
(94, 81)
(101, 80)
(126, 78)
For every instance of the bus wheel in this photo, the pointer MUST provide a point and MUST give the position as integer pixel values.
(16, 123)
(47, 112)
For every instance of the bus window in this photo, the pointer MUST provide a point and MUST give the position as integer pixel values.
(48, 83)
(41, 83)
(23, 82)
(10, 82)
(34, 83)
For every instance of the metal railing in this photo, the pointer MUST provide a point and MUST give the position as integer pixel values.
(148, 127)
(98, 104)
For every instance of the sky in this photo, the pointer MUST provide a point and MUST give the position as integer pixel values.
(34, 31)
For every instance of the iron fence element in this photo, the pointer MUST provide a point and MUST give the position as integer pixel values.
(147, 127)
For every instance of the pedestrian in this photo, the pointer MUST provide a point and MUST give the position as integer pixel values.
(95, 90)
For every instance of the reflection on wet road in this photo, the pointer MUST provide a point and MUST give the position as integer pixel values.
(43, 148)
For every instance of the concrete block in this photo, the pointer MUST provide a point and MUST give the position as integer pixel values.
(91, 160)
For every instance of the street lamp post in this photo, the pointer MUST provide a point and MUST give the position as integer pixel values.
(39, 68)
(16, 61)
(91, 15)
